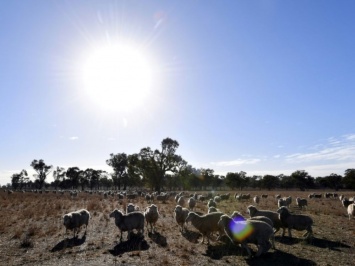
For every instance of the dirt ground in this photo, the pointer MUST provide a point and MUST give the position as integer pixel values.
(32, 233)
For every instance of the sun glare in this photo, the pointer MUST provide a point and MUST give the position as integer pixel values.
(117, 77)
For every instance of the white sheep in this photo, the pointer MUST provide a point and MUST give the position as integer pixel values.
(351, 210)
(74, 220)
(180, 214)
(211, 203)
(212, 209)
(192, 203)
(181, 201)
(301, 202)
(128, 222)
(151, 216)
(256, 199)
(205, 224)
(295, 221)
(237, 216)
(131, 208)
(273, 216)
(259, 233)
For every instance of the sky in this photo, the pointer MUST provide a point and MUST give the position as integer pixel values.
(264, 87)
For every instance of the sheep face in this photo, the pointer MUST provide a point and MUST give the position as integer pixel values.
(116, 214)
(252, 210)
(283, 211)
(190, 217)
(67, 220)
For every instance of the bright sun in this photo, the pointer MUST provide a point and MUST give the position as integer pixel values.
(117, 77)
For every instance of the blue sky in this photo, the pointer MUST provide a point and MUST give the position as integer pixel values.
(265, 87)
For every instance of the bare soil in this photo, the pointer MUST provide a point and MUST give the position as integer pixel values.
(32, 233)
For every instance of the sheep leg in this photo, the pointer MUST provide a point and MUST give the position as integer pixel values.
(245, 246)
(289, 232)
(260, 250)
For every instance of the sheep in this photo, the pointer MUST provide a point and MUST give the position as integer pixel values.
(128, 222)
(273, 216)
(295, 221)
(151, 215)
(180, 214)
(162, 198)
(131, 208)
(256, 199)
(264, 196)
(260, 233)
(212, 209)
(301, 202)
(225, 196)
(237, 216)
(211, 203)
(346, 202)
(181, 201)
(217, 199)
(351, 210)
(74, 220)
(205, 224)
(192, 203)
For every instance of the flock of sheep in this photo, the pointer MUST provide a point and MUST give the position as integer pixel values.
(258, 229)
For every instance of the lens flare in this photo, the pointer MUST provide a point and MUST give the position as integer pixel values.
(240, 228)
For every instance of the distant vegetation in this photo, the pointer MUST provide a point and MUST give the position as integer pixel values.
(163, 169)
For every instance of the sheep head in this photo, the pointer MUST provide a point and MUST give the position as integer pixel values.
(67, 219)
(237, 215)
(283, 212)
(116, 214)
(190, 217)
(252, 210)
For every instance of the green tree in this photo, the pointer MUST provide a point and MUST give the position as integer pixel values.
(270, 182)
(300, 178)
(152, 166)
(234, 180)
(42, 171)
(349, 179)
(58, 176)
(73, 173)
(19, 179)
(119, 163)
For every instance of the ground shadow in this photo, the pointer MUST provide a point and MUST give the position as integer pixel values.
(69, 243)
(158, 239)
(226, 249)
(136, 242)
(272, 257)
(278, 257)
(314, 241)
(191, 236)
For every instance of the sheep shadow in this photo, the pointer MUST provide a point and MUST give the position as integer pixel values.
(69, 243)
(191, 236)
(158, 239)
(278, 257)
(314, 241)
(226, 249)
(136, 242)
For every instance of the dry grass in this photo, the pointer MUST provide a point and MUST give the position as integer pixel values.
(33, 223)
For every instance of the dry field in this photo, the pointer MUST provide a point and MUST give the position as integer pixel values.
(32, 233)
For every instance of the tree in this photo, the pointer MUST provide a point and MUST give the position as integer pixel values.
(58, 176)
(349, 179)
(119, 163)
(300, 178)
(152, 166)
(73, 173)
(93, 176)
(17, 180)
(42, 171)
(269, 182)
(234, 180)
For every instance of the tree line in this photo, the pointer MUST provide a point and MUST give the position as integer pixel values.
(163, 169)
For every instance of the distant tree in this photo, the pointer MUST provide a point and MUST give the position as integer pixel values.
(286, 182)
(58, 176)
(42, 171)
(300, 178)
(119, 163)
(255, 181)
(93, 176)
(234, 180)
(19, 179)
(333, 181)
(73, 173)
(349, 179)
(152, 166)
(206, 177)
(270, 182)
